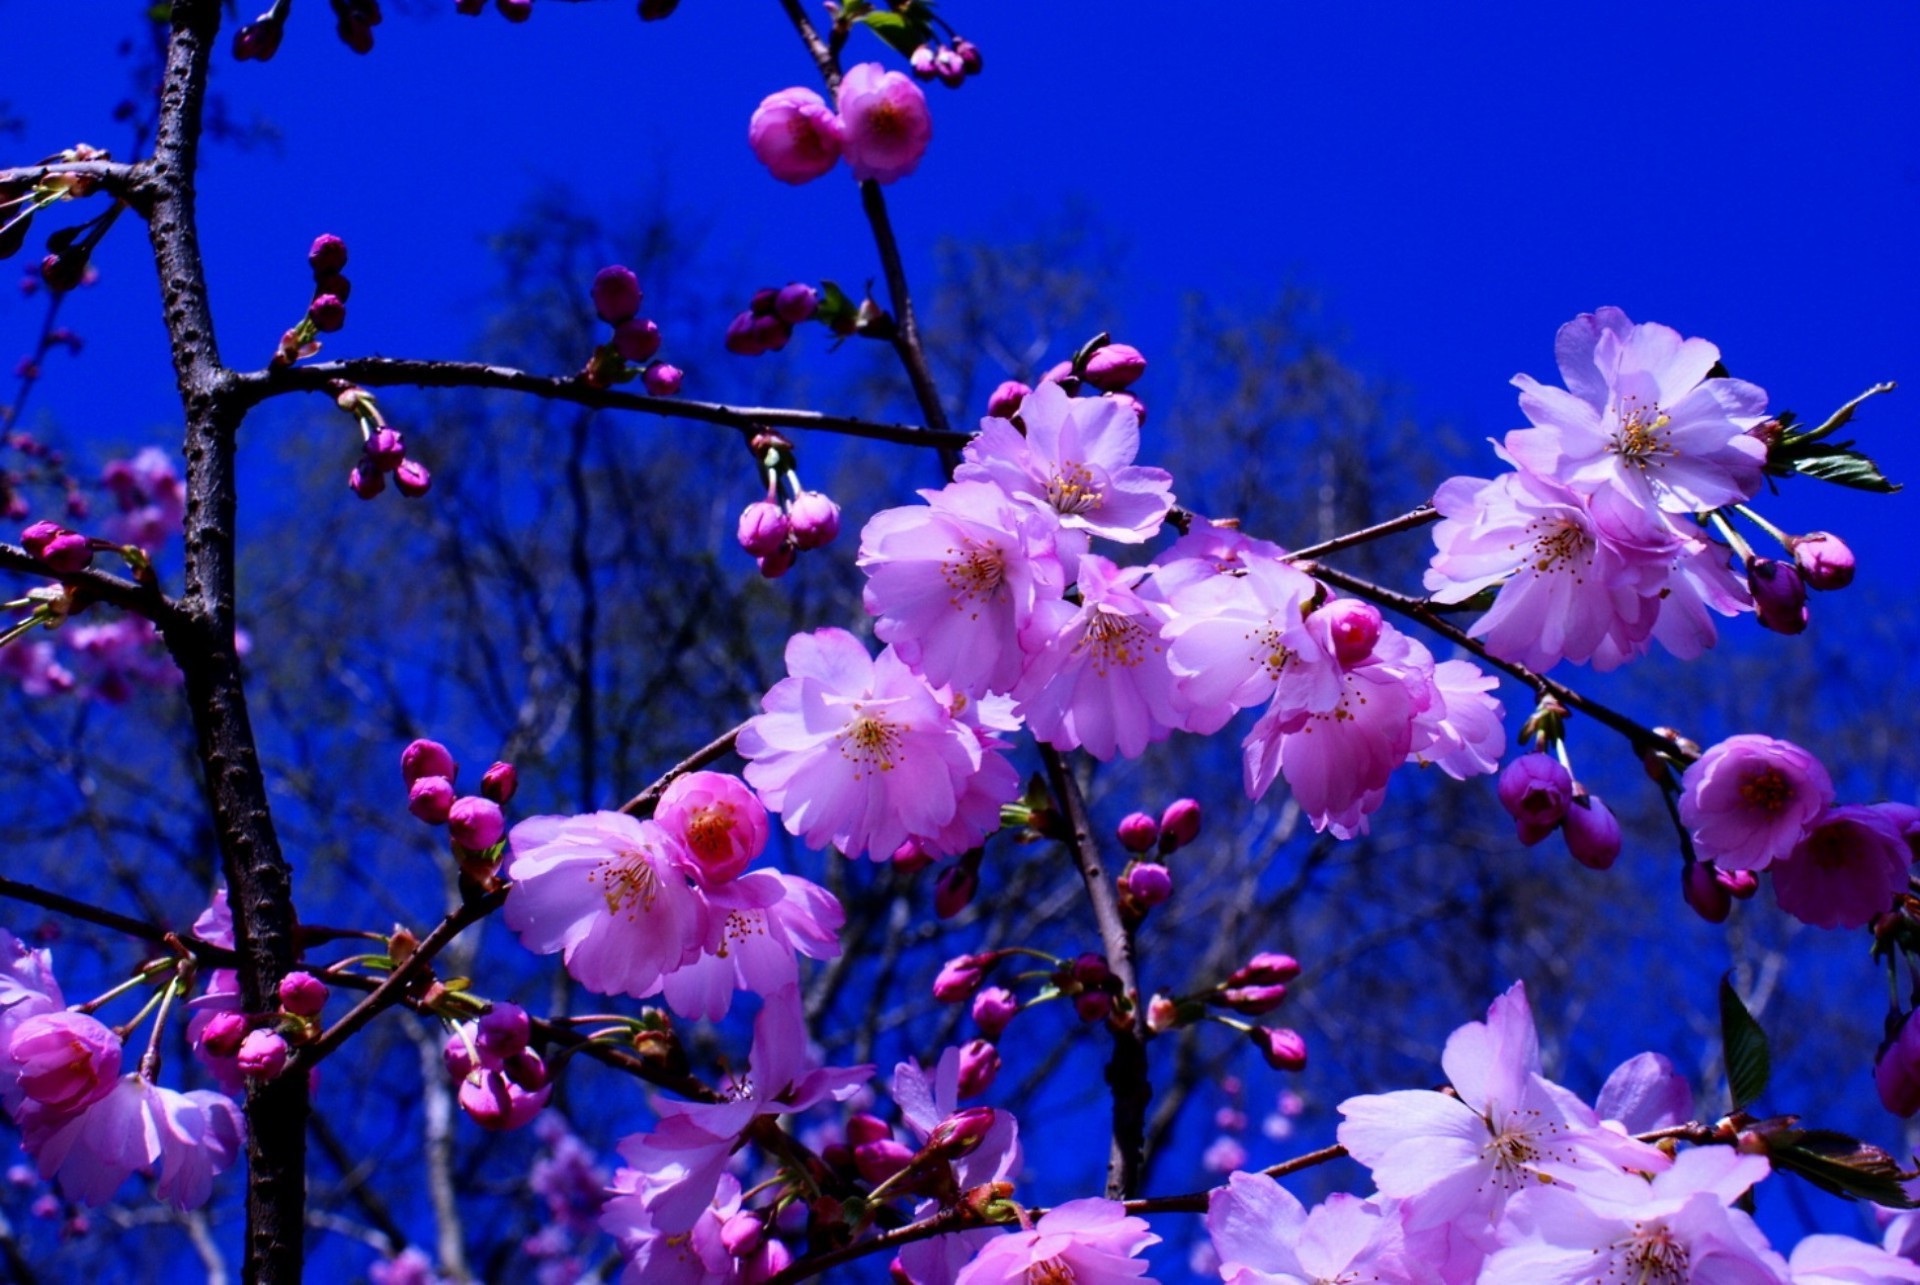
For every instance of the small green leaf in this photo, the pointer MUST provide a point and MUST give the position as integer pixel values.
(904, 33)
(1744, 1047)
(1844, 466)
(1842, 1165)
(1835, 421)
(837, 311)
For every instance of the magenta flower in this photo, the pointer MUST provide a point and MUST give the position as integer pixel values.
(1230, 638)
(854, 750)
(1264, 1236)
(1508, 1129)
(607, 892)
(952, 584)
(885, 125)
(1645, 1093)
(795, 136)
(1076, 460)
(1088, 1242)
(1749, 800)
(757, 925)
(1850, 868)
(1640, 415)
(698, 1256)
(1098, 677)
(64, 1061)
(976, 812)
(28, 989)
(1462, 732)
(719, 821)
(136, 1127)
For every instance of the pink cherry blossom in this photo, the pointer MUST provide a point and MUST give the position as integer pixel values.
(64, 1061)
(1508, 1129)
(138, 1127)
(885, 125)
(1749, 800)
(698, 1256)
(1842, 1260)
(1640, 415)
(1075, 460)
(1097, 678)
(1851, 866)
(28, 989)
(610, 894)
(976, 812)
(856, 750)
(757, 925)
(720, 823)
(795, 135)
(1462, 732)
(1230, 637)
(1645, 1093)
(1265, 1237)
(1088, 1242)
(953, 583)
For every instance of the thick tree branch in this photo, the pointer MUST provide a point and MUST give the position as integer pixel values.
(138, 929)
(387, 372)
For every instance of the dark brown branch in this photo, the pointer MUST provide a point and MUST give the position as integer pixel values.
(1127, 1078)
(1420, 610)
(386, 372)
(138, 929)
(817, 49)
(99, 586)
(395, 985)
(115, 177)
(641, 804)
(906, 336)
(1405, 522)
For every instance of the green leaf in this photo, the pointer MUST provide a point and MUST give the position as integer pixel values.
(1844, 466)
(1842, 1165)
(1835, 421)
(1744, 1047)
(905, 33)
(837, 312)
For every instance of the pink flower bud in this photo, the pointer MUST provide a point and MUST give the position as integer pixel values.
(616, 294)
(431, 799)
(256, 42)
(1089, 969)
(1593, 836)
(961, 1133)
(1896, 1072)
(1179, 825)
(771, 333)
(38, 535)
(526, 1069)
(1779, 595)
(969, 55)
(1705, 893)
(1535, 790)
(458, 1059)
(1825, 562)
(1004, 401)
(427, 758)
(878, 1161)
(961, 976)
(496, 1102)
(911, 857)
(922, 63)
(979, 1064)
(1163, 1015)
(1147, 883)
(223, 1032)
(1093, 1006)
(761, 304)
(263, 1055)
(947, 66)
(796, 303)
(1353, 627)
(1253, 1000)
(63, 550)
(722, 823)
(303, 994)
(953, 891)
(412, 479)
(1115, 366)
(386, 449)
(637, 339)
(327, 312)
(1740, 884)
(502, 1031)
(864, 1127)
(476, 823)
(1138, 832)
(499, 782)
(743, 1233)
(327, 255)
(884, 123)
(763, 528)
(662, 379)
(742, 337)
(993, 1009)
(1268, 968)
(366, 480)
(1284, 1049)
(335, 285)
(795, 136)
(815, 520)
(65, 1060)
(778, 563)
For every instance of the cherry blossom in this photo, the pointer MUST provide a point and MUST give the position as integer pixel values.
(884, 122)
(1088, 1242)
(1264, 1236)
(1850, 867)
(1749, 800)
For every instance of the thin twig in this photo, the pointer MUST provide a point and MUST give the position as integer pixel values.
(1407, 521)
(641, 804)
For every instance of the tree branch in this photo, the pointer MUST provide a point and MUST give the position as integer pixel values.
(1407, 521)
(96, 586)
(641, 804)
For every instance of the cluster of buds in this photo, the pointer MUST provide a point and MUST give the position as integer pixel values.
(48, 607)
(66, 552)
(259, 40)
(768, 322)
(503, 1084)
(1254, 989)
(776, 529)
(1711, 891)
(1100, 367)
(261, 1045)
(19, 202)
(1539, 793)
(635, 341)
(1090, 984)
(950, 64)
(382, 449)
(1147, 882)
(1819, 561)
(327, 310)
(475, 822)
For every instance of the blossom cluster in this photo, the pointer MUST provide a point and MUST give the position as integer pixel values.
(882, 127)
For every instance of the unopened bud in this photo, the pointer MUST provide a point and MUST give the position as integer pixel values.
(412, 479)
(993, 1009)
(954, 890)
(386, 449)
(1162, 1015)
(499, 782)
(503, 1030)
(796, 303)
(426, 758)
(778, 563)
(223, 1032)
(1267, 968)
(742, 338)
(961, 1133)
(476, 823)
(1709, 897)
(1353, 628)
(431, 799)
(1004, 401)
(922, 63)
(366, 480)
(327, 312)
(303, 994)
(911, 857)
(815, 519)
(1093, 1006)
(969, 54)
(880, 1160)
(743, 1233)
(616, 294)
(961, 976)
(771, 333)
(327, 255)
(637, 339)
(1179, 825)
(1252, 1000)
(1138, 832)
(979, 1064)
(1113, 367)
(1593, 836)
(1535, 789)
(763, 528)
(263, 1055)
(947, 66)
(1147, 884)
(1741, 884)
(1825, 562)
(1779, 595)
(1284, 1049)
(663, 379)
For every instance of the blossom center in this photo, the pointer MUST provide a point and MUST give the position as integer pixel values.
(1643, 434)
(1556, 544)
(1268, 651)
(1651, 1256)
(626, 879)
(886, 120)
(1052, 1271)
(1072, 489)
(1113, 640)
(871, 742)
(741, 924)
(710, 831)
(975, 575)
(1769, 790)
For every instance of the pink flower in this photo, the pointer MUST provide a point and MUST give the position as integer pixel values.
(1076, 460)
(756, 927)
(794, 135)
(1265, 1237)
(27, 990)
(884, 122)
(608, 892)
(1640, 415)
(1842, 1260)
(136, 1126)
(1750, 799)
(698, 1256)
(1098, 677)
(1088, 1242)
(952, 584)
(1231, 637)
(976, 812)
(64, 1061)
(1462, 731)
(854, 750)
(1645, 1093)
(1851, 866)
(721, 823)
(1896, 1071)
(1508, 1129)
